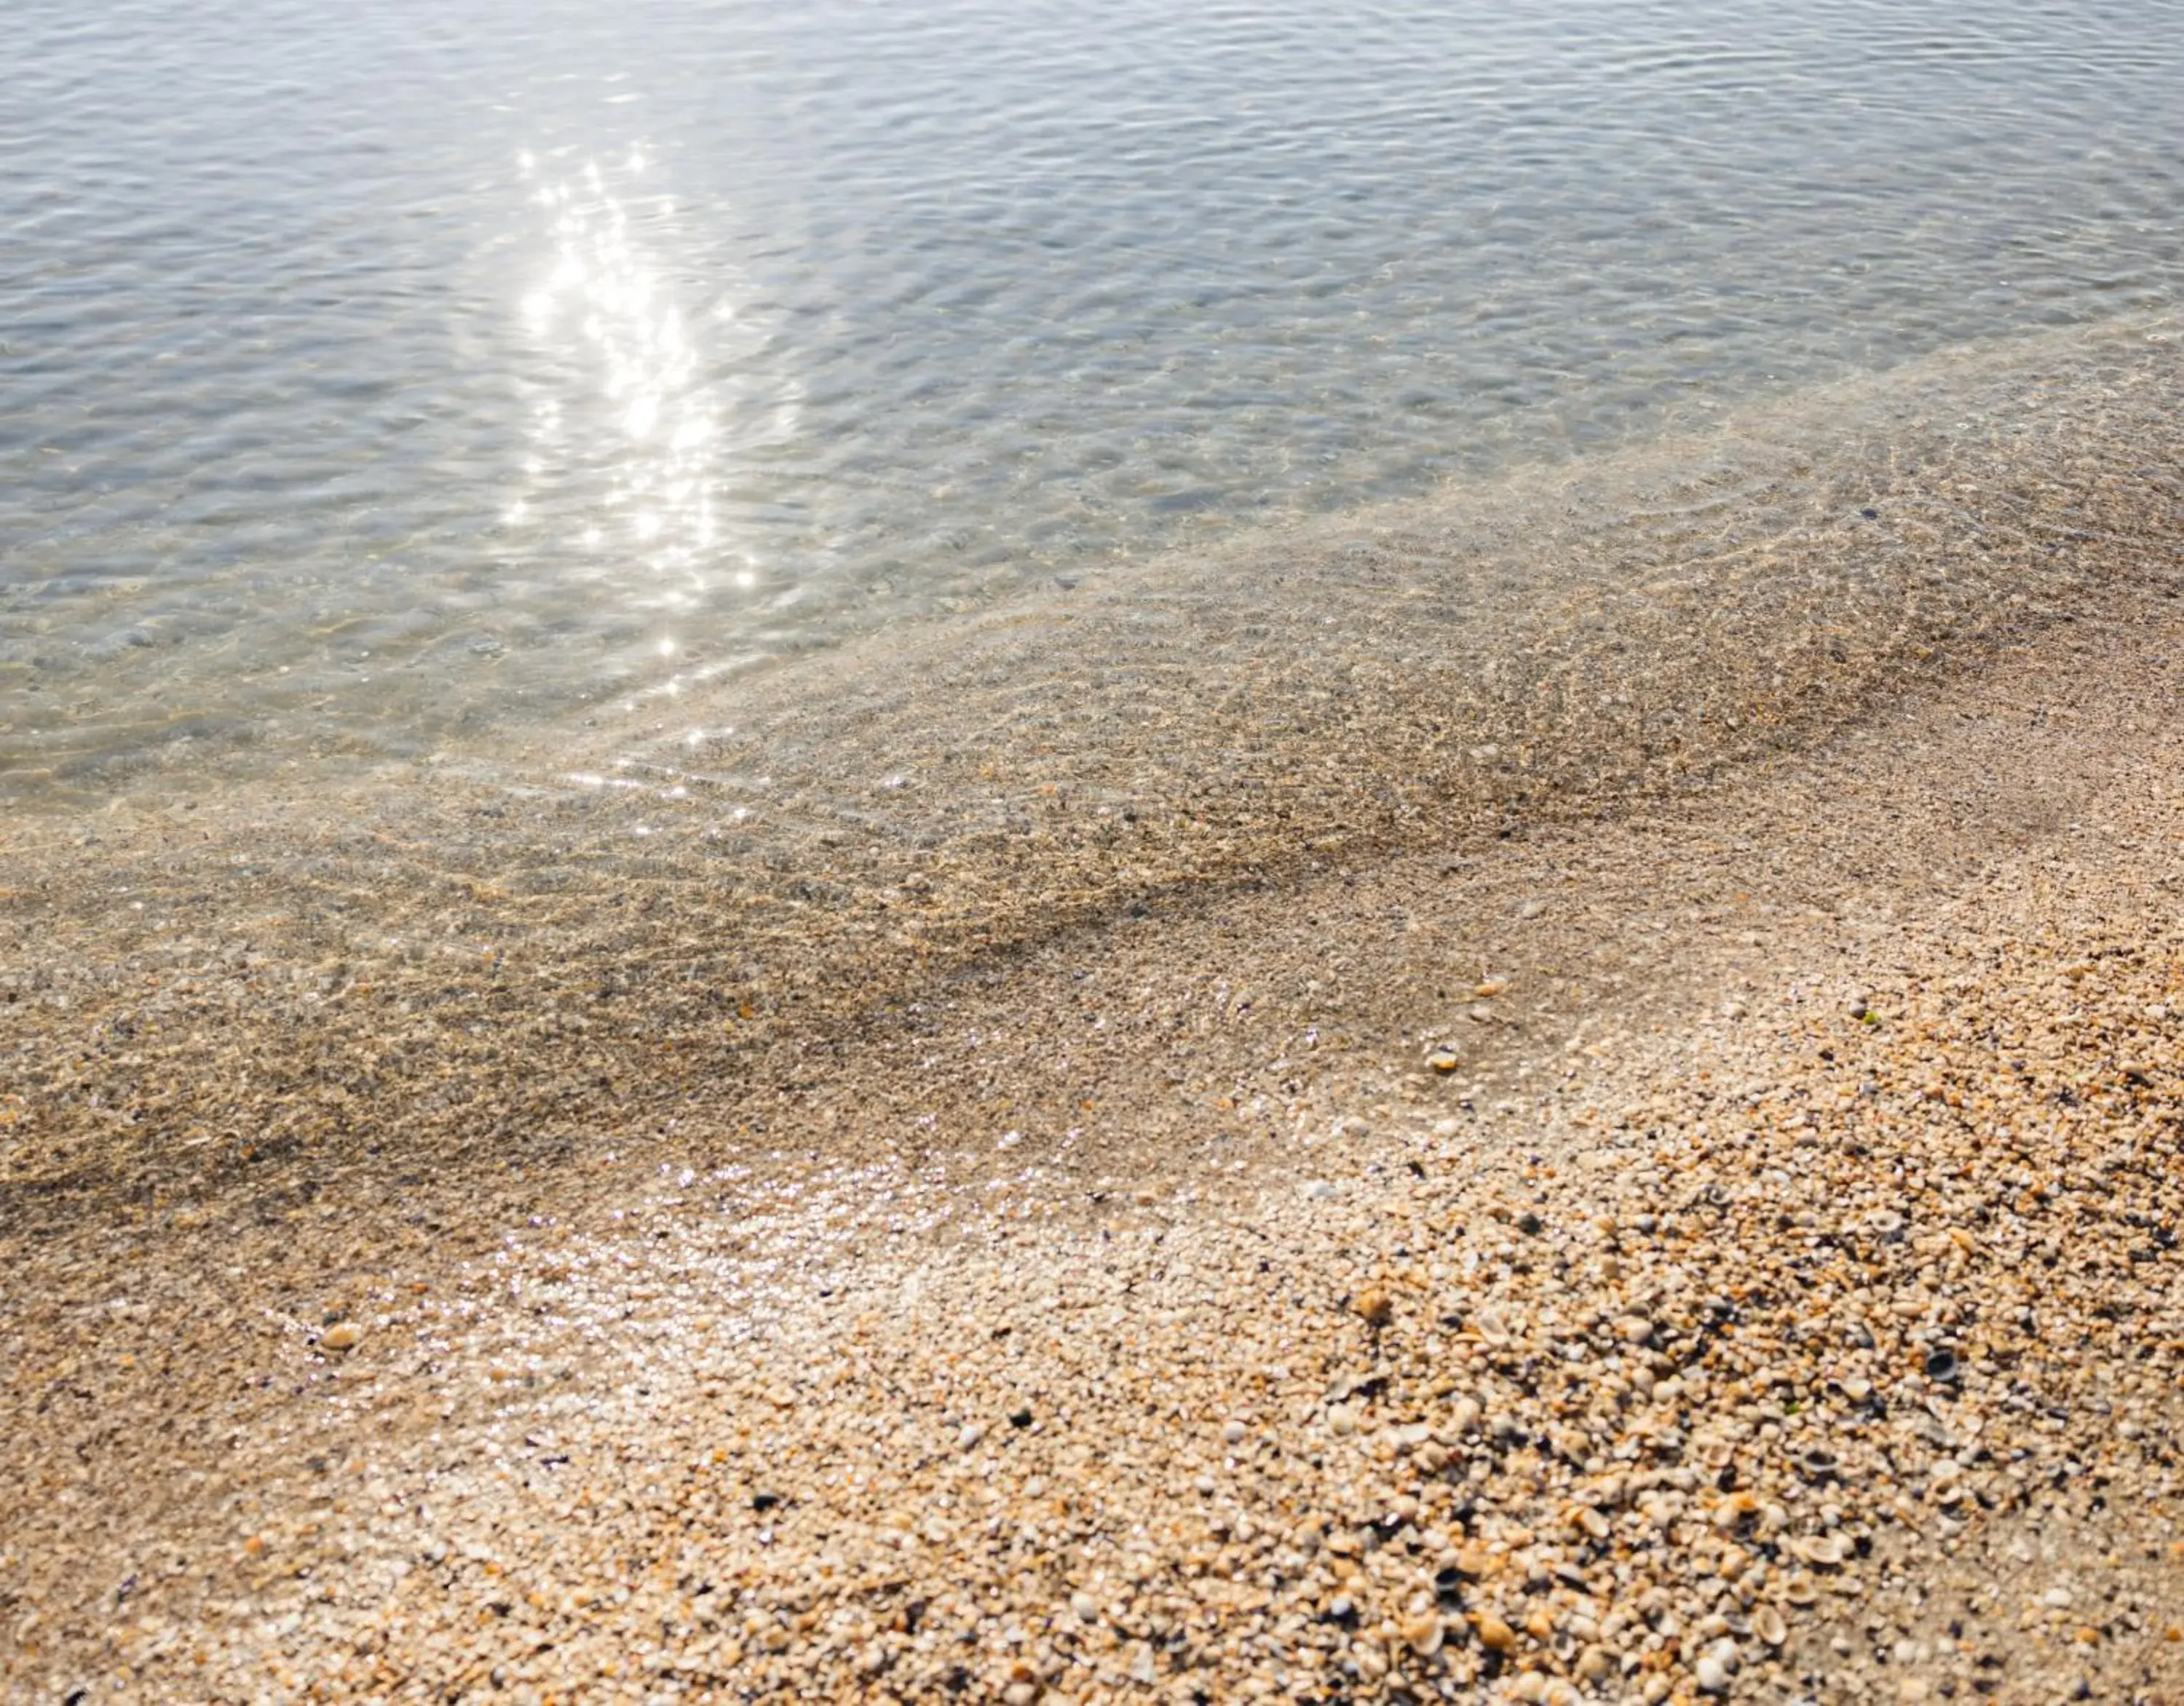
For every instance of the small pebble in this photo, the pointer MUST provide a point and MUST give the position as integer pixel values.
(1494, 1634)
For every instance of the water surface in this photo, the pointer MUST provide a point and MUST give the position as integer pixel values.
(373, 380)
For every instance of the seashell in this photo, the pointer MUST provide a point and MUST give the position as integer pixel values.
(1423, 1634)
(1827, 1550)
(1767, 1624)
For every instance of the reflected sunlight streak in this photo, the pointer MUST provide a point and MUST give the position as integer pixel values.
(653, 422)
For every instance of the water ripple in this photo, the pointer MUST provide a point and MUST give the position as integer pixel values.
(369, 377)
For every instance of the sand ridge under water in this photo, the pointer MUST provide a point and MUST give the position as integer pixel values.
(494, 963)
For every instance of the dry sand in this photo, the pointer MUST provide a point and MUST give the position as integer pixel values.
(1631, 1155)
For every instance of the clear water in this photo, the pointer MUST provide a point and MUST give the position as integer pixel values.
(373, 377)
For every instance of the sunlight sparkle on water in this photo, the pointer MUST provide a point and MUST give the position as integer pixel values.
(602, 310)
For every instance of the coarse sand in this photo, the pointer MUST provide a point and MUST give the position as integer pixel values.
(1542, 1213)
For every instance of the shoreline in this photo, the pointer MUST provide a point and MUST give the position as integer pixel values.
(520, 1312)
(213, 1000)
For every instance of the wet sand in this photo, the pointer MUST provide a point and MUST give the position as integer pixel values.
(1182, 1141)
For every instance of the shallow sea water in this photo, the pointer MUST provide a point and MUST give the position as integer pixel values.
(374, 383)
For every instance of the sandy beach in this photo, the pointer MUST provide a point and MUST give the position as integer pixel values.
(1179, 1144)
